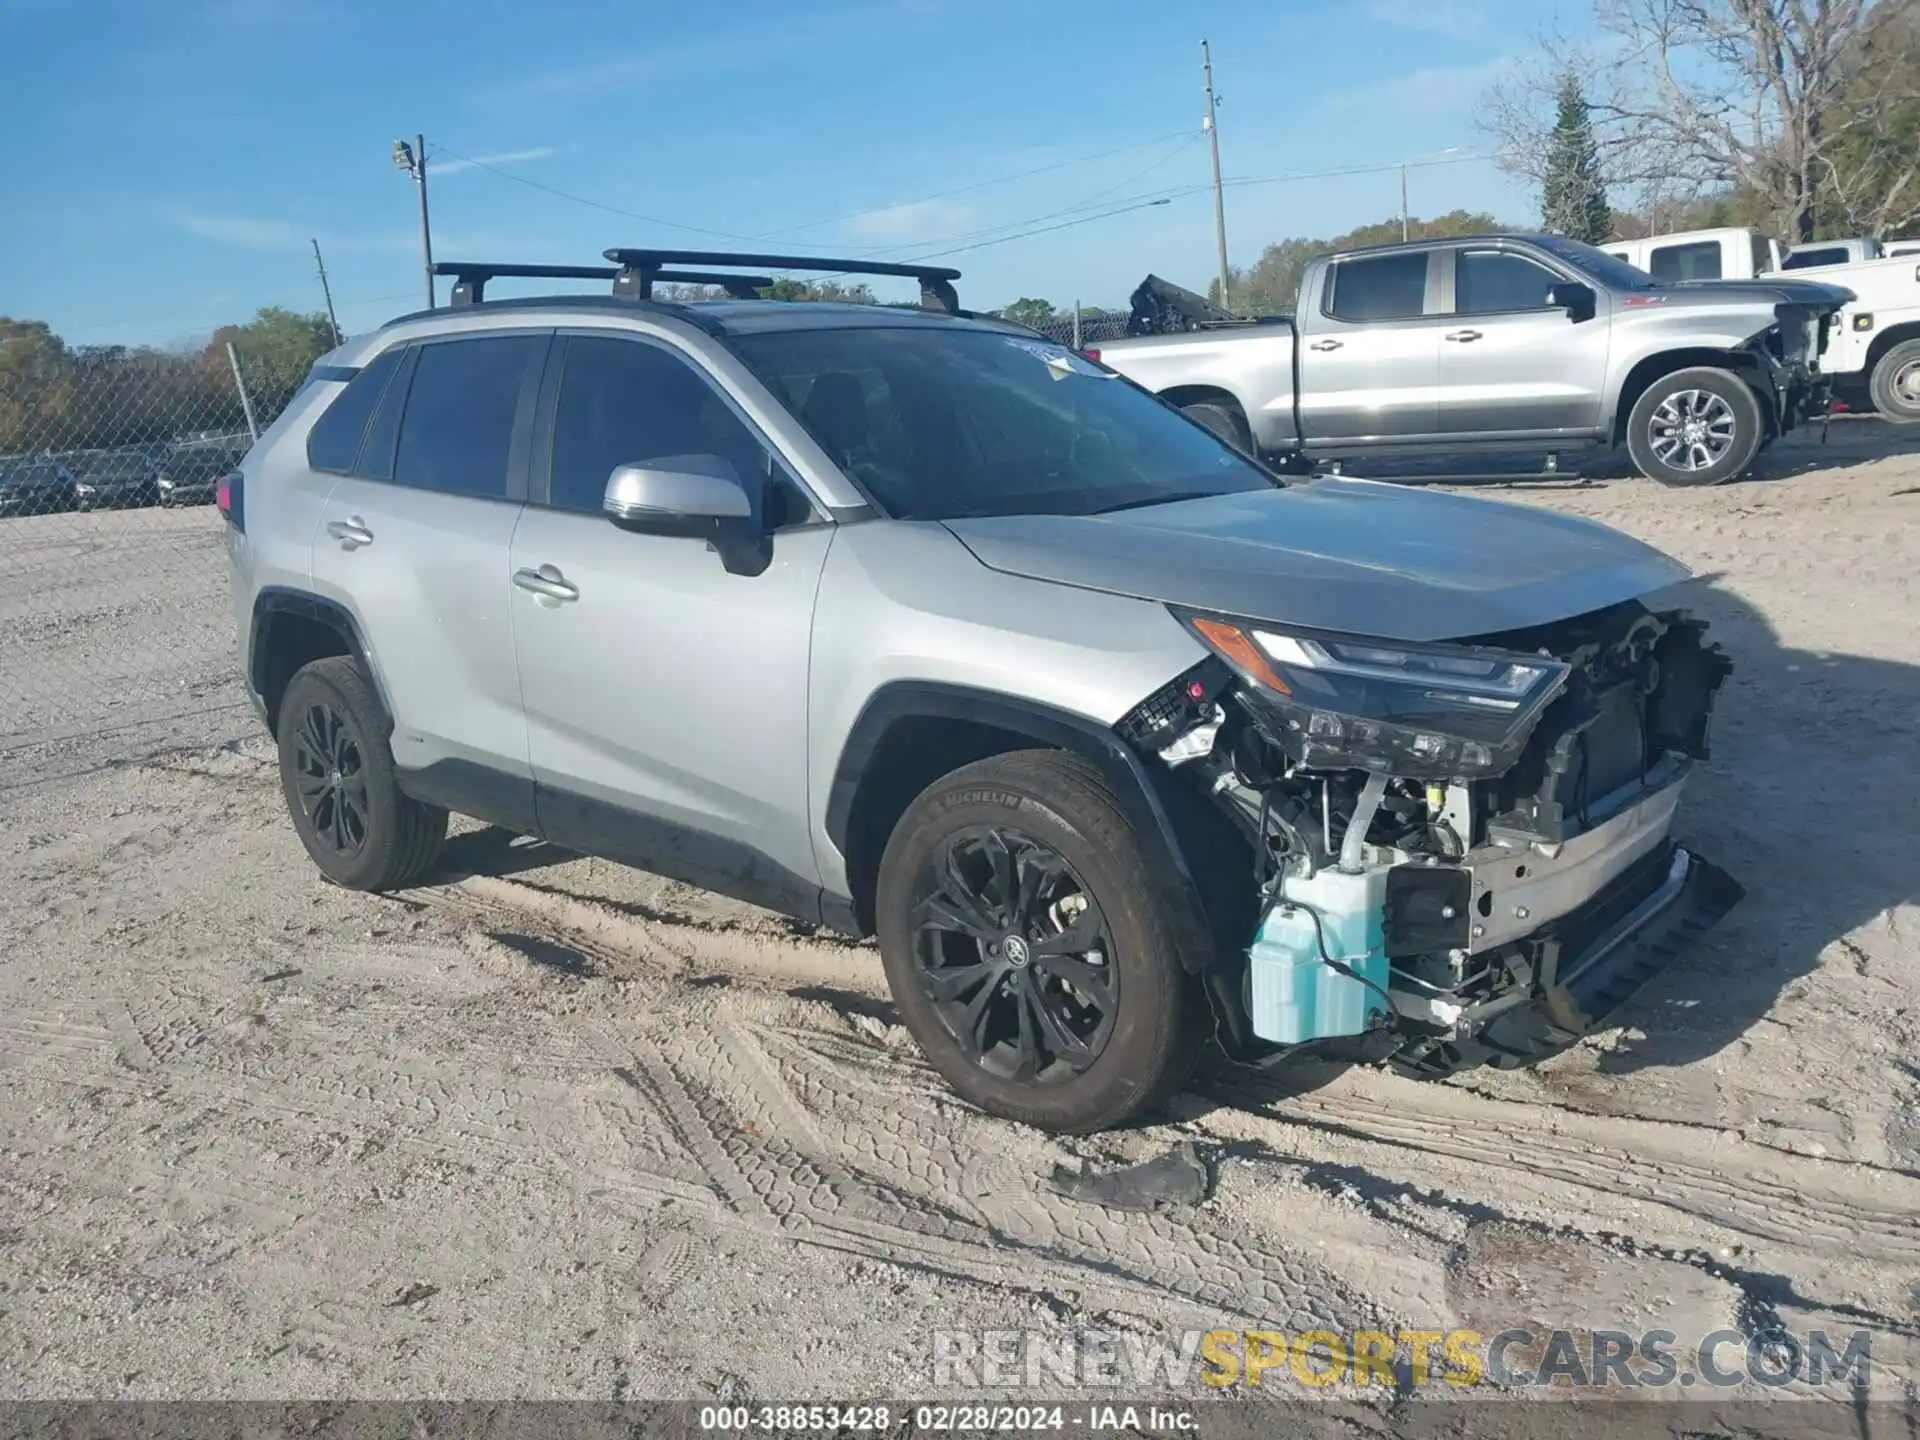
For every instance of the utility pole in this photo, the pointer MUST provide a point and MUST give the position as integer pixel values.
(1219, 202)
(426, 231)
(413, 159)
(1403, 200)
(333, 321)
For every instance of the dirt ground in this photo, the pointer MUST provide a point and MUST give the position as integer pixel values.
(552, 1128)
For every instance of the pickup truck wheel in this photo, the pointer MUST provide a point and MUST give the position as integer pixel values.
(1027, 944)
(1223, 420)
(1896, 383)
(336, 772)
(1695, 427)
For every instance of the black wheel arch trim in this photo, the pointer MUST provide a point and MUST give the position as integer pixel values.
(277, 600)
(1138, 788)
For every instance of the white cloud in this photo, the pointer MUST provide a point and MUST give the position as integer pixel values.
(915, 220)
(440, 169)
(245, 231)
(1435, 90)
(1455, 19)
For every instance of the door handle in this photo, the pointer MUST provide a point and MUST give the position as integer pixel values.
(1325, 345)
(1463, 336)
(547, 583)
(352, 532)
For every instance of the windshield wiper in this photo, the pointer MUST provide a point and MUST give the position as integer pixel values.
(1174, 499)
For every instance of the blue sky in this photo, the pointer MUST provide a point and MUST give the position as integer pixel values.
(166, 163)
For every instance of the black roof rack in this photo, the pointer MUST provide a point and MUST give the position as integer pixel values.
(639, 269)
(471, 277)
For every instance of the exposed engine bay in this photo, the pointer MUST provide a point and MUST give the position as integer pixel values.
(1461, 852)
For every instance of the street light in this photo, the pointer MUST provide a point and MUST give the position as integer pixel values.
(1423, 160)
(413, 159)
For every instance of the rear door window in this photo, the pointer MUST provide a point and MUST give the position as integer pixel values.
(457, 433)
(1378, 287)
(1698, 260)
(1826, 255)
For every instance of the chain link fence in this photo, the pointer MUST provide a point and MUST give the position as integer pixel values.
(116, 636)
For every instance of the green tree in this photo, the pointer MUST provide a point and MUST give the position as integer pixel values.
(1573, 197)
(1028, 311)
(787, 289)
(277, 347)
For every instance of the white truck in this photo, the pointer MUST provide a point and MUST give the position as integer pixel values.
(1873, 357)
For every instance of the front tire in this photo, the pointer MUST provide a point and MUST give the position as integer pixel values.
(1896, 383)
(1029, 943)
(1695, 427)
(336, 772)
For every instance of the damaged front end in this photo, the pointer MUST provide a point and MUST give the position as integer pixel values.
(1461, 852)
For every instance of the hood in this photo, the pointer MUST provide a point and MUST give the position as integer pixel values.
(1342, 555)
(1767, 289)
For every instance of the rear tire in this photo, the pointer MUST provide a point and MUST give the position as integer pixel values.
(1699, 426)
(1224, 419)
(1896, 383)
(336, 771)
(1030, 944)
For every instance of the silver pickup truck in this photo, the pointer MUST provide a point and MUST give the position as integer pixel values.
(1492, 342)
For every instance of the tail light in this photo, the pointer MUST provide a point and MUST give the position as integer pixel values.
(1092, 354)
(229, 493)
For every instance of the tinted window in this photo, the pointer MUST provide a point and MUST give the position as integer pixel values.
(1697, 261)
(335, 438)
(1382, 287)
(937, 422)
(1826, 255)
(460, 411)
(1611, 270)
(625, 402)
(1488, 281)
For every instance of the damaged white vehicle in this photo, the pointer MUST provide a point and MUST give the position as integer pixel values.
(913, 624)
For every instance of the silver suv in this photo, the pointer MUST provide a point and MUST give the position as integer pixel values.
(912, 623)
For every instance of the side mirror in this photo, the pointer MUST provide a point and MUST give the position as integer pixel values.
(1576, 299)
(667, 494)
(695, 496)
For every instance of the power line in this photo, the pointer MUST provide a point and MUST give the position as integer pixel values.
(596, 204)
(987, 184)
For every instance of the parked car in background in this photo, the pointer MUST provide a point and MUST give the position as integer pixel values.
(107, 479)
(193, 468)
(1833, 252)
(1724, 254)
(1502, 341)
(1873, 360)
(34, 485)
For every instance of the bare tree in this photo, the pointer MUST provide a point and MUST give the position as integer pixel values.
(1803, 107)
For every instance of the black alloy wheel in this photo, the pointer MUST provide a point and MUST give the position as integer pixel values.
(1015, 954)
(330, 778)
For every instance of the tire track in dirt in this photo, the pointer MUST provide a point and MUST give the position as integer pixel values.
(1840, 1207)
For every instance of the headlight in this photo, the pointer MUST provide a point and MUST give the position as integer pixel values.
(1432, 712)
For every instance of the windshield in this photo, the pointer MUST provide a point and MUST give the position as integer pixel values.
(1609, 270)
(936, 423)
(116, 466)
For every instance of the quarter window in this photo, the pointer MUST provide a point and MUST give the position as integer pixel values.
(334, 440)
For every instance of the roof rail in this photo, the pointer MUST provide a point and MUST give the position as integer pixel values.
(639, 269)
(471, 277)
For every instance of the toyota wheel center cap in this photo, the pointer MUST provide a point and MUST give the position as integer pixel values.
(1016, 951)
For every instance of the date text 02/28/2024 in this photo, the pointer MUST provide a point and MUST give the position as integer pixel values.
(1011, 1419)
